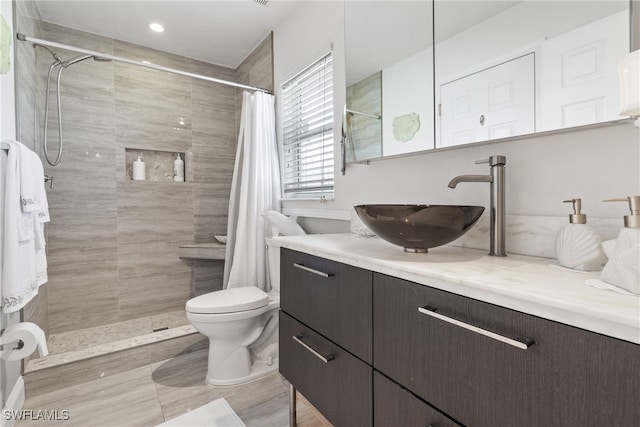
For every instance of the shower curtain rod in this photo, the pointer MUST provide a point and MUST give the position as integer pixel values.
(48, 43)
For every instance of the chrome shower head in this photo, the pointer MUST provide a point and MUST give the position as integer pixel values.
(75, 59)
(101, 59)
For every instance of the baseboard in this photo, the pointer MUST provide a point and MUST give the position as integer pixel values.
(14, 403)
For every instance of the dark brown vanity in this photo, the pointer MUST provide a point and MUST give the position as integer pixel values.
(366, 350)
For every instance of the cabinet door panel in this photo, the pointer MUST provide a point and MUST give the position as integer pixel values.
(394, 406)
(567, 378)
(337, 306)
(341, 388)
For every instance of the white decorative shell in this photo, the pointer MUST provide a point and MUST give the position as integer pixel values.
(623, 268)
(580, 248)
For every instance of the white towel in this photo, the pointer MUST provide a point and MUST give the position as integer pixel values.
(33, 197)
(34, 201)
(29, 189)
(23, 258)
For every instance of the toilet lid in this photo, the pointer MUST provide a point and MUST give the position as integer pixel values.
(228, 301)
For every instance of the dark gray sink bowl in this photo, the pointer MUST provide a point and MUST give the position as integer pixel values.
(419, 227)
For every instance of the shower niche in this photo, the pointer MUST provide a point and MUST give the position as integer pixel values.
(159, 165)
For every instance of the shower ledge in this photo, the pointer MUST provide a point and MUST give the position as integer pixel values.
(212, 250)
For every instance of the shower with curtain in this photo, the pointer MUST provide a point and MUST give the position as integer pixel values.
(114, 270)
(255, 190)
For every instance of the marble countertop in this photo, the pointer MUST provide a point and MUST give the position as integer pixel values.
(211, 250)
(536, 286)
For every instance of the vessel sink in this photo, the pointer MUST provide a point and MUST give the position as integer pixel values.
(419, 227)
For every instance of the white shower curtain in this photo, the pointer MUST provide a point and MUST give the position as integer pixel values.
(255, 189)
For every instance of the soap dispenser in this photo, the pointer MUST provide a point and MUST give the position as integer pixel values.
(138, 169)
(178, 169)
(623, 267)
(578, 246)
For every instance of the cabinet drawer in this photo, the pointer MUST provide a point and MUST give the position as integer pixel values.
(340, 387)
(394, 406)
(568, 377)
(332, 298)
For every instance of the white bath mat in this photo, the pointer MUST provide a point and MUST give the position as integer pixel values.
(214, 414)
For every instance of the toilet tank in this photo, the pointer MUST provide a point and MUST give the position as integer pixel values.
(273, 264)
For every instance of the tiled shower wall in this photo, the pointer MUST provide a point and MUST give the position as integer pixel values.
(112, 242)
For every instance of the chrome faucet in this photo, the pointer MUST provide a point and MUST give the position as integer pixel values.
(496, 202)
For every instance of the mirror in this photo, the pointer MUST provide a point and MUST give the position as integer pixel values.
(389, 66)
(509, 68)
(499, 69)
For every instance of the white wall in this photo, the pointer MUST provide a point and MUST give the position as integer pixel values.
(304, 36)
(542, 171)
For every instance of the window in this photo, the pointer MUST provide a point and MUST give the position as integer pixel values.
(307, 130)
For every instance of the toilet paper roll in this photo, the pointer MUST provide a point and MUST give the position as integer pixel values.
(30, 334)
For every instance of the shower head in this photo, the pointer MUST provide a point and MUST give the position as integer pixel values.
(81, 58)
(75, 59)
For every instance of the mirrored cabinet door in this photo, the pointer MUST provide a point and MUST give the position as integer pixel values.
(443, 73)
(389, 64)
(510, 68)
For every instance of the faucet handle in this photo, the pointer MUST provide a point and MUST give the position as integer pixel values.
(493, 161)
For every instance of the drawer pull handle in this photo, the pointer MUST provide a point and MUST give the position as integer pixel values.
(311, 270)
(325, 359)
(519, 342)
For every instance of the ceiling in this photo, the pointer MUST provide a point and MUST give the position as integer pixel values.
(222, 32)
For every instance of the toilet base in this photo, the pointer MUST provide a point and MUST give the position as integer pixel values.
(259, 370)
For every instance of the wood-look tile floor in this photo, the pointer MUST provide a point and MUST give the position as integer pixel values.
(152, 394)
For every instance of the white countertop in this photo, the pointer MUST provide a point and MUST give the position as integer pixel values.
(536, 286)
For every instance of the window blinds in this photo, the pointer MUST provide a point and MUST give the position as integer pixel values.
(307, 122)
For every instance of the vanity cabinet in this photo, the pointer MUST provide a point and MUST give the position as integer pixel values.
(333, 299)
(566, 377)
(325, 335)
(337, 383)
(368, 349)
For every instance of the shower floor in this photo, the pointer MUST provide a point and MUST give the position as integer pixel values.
(72, 346)
(83, 338)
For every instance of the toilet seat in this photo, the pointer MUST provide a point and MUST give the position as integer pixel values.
(228, 301)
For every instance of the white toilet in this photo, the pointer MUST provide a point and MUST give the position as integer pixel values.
(242, 327)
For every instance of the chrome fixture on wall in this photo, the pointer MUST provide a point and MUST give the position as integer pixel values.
(61, 65)
(101, 57)
(496, 202)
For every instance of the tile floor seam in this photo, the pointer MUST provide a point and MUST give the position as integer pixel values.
(155, 387)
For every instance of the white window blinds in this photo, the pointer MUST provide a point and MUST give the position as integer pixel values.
(307, 122)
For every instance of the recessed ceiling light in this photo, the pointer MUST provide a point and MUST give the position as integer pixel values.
(154, 26)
